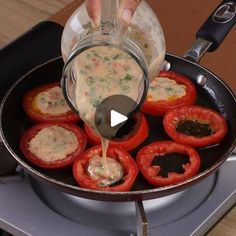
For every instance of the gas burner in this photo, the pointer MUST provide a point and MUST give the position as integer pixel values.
(32, 208)
(122, 215)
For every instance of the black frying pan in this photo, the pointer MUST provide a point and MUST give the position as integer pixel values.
(212, 92)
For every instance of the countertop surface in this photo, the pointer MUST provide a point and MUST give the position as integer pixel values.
(180, 19)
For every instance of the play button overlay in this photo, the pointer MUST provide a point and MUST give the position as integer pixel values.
(112, 113)
(117, 118)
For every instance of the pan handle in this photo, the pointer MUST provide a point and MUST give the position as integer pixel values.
(213, 31)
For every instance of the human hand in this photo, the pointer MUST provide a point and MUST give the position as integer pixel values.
(125, 13)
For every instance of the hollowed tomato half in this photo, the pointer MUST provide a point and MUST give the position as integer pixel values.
(167, 91)
(118, 158)
(134, 132)
(165, 163)
(195, 126)
(47, 103)
(53, 145)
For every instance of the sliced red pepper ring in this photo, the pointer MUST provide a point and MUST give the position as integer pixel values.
(157, 172)
(48, 107)
(55, 144)
(135, 136)
(81, 164)
(195, 126)
(161, 106)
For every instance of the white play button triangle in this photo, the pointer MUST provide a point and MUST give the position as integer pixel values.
(117, 118)
(112, 115)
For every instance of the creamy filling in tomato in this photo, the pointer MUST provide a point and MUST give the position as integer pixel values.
(52, 102)
(105, 172)
(165, 89)
(53, 143)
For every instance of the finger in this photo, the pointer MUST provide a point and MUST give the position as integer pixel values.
(94, 10)
(127, 9)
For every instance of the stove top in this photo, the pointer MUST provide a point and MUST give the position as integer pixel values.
(31, 208)
(28, 207)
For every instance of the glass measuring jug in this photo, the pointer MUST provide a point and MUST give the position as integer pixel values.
(131, 54)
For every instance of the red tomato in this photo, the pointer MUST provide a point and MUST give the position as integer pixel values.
(68, 160)
(135, 137)
(84, 180)
(159, 108)
(37, 115)
(194, 119)
(159, 149)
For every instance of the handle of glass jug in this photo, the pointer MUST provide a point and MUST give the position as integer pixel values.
(109, 12)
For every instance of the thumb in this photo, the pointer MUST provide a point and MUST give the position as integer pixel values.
(127, 9)
(94, 10)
